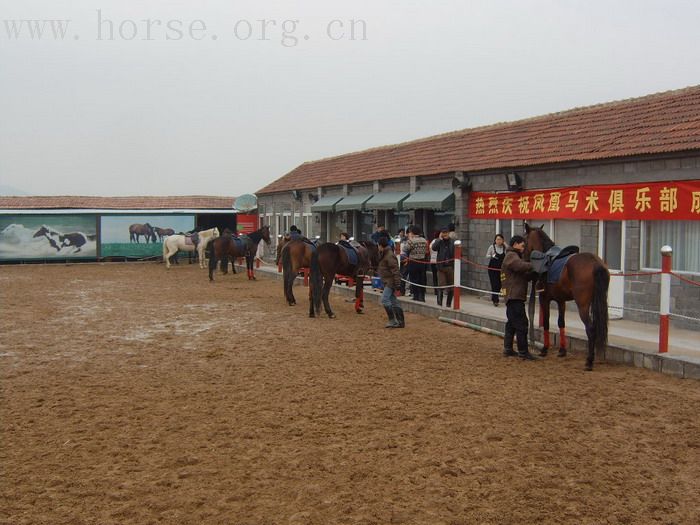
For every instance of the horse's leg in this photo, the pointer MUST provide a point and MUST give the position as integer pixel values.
(586, 318)
(327, 283)
(359, 295)
(249, 264)
(289, 277)
(544, 312)
(562, 328)
(224, 264)
(312, 310)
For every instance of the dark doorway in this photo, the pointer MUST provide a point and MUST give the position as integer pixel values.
(218, 220)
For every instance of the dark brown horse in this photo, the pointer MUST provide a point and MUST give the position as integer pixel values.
(585, 280)
(137, 230)
(295, 255)
(163, 232)
(231, 246)
(329, 260)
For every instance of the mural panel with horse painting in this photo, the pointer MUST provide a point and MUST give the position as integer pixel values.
(140, 236)
(48, 237)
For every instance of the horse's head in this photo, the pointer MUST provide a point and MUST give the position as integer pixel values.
(372, 253)
(215, 234)
(41, 231)
(536, 239)
(265, 232)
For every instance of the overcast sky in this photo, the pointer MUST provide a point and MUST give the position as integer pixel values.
(144, 99)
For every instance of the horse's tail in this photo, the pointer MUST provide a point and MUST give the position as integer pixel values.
(286, 264)
(315, 280)
(599, 306)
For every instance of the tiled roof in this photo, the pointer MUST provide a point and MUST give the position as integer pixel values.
(660, 123)
(117, 203)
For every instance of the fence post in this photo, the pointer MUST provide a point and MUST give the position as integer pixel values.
(665, 309)
(458, 274)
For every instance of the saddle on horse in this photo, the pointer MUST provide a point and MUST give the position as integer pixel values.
(192, 239)
(550, 264)
(350, 250)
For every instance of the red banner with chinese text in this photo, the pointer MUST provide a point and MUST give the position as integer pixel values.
(246, 223)
(676, 201)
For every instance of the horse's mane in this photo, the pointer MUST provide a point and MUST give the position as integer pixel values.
(547, 243)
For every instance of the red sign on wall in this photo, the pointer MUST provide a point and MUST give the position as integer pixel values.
(246, 223)
(677, 201)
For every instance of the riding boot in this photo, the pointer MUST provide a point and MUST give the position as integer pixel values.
(450, 294)
(393, 323)
(398, 312)
(508, 342)
(439, 297)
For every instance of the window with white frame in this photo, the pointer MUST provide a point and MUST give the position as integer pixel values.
(682, 236)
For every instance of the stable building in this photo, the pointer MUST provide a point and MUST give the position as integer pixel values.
(62, 228)
(619, 179)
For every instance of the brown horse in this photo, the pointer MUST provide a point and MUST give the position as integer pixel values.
(163, 232)
(585, 280)
(295, 254)
(136, 230)
(230, 246)
(330, 260)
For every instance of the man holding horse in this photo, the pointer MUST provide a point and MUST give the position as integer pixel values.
(388, 270)
(517, 273)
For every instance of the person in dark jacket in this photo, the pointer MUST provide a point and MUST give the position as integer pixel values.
(495, 255)
(388, 270)
(295, 233)
(445, 248)
(517, 277)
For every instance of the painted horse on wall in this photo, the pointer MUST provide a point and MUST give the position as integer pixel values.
(332, 259)
(181, 242)
(230, 246)
(163, 232)
(584, 278)
(137, 230)
(60, 240)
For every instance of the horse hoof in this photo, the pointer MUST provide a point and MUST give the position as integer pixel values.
(588, 368)
(562, 353)
(331, 316)
(543, 352)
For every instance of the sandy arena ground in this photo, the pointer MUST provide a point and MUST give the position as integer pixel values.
(132, 395)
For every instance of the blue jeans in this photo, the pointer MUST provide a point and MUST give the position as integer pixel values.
(389, 300)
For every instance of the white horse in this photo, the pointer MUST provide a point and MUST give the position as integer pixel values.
(174, 243)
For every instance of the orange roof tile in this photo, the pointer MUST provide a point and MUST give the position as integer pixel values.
(659, 123)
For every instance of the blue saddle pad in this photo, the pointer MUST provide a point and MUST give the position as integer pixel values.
(554, 272)
(240, 242)
(352, 254)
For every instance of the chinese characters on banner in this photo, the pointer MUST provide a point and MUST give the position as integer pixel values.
(246, 223)
(678, 201)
